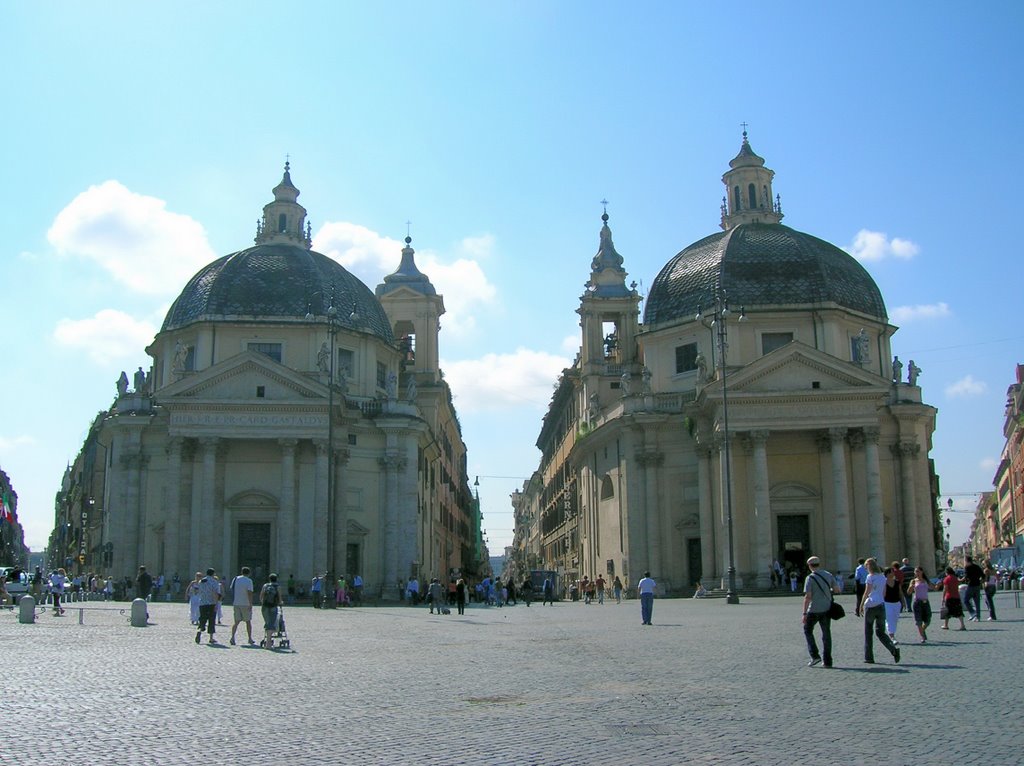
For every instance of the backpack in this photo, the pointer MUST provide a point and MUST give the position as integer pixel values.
(269, 595)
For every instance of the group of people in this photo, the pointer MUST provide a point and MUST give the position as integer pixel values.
(591, 590)
(206, 593)
(883, 593)
(347, 590)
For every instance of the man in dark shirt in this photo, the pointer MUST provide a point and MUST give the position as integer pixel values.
(143, 584)
(973, 576)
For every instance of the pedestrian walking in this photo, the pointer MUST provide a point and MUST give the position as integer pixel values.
(617, 589)
(143, 584)
(270, 603)
(549, 592)
(991, 584)
(316, 591)
(974, 576)
(645, 590)
(600, 584)
(952, 606)
(192, 594)
(209, 597)
(860, 576)
(460, 596)
(818, 589)
(241, 598)
(873, 608)
(908, 574)
(58, 582)
(918, 590)
(435, 595)
(893, 599)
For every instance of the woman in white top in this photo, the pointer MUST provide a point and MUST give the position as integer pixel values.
(991, 583)
(192, 594)
(873, 608)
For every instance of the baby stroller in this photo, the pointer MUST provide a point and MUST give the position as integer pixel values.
(280, 634)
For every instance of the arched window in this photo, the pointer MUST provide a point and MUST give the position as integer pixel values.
(752, 196)
(736, 199)
(607, 488)
(282, 223)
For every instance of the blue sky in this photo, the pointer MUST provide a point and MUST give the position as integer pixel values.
(141, 140)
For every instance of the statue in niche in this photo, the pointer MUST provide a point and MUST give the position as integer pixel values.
(140, 381)
(912, 372)
(702, 368)
(323, 358)
(594, 408)
(860, 343)
(391, 387)
(410, 389)
(897, 369)
(646, 377)
(180, 355)
(122, 384)
(626, 383)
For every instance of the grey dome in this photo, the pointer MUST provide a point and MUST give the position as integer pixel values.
(273, 282)
(761, 264)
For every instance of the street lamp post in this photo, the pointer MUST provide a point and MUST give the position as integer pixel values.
(719, 315)
(333, 325)
(949, 521)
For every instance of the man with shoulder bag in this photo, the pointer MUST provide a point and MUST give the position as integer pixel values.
(818, 609)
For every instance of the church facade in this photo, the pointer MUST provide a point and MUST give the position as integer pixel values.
(756, 415)
(292, 421)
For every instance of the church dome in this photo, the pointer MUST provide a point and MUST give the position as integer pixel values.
(761, 264)
(277, 281)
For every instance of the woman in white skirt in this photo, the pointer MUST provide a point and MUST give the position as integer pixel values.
(192, 594)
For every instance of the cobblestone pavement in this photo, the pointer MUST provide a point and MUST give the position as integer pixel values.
(708, 683)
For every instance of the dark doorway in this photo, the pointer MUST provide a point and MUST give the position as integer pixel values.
(794, 542)
(352, 560)
(693, 560)
(254, 550)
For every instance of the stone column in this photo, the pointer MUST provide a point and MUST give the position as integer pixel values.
(131, 464)
(707, 515)
(876, 525)
(762, 508)
(341, 457)
(392, 464)
(841, 499)
(320, 508)
(286, 529)
(203, 522)
(908, 452)
(649, 460)
(172, 510)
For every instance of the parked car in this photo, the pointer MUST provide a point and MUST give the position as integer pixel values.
(18, 583)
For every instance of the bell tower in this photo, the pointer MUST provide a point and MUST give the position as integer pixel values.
(609, 313)
(283, 218)
(414, 308)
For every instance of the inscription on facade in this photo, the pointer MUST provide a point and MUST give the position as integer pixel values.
(242, 420)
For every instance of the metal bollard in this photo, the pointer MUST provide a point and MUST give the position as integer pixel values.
(27, 610)
(140, 617)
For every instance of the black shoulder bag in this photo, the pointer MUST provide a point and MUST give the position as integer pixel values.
(835, 609)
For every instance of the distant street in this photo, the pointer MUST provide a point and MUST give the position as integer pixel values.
(707, 683)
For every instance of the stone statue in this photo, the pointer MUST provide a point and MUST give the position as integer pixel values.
(912, 372)
(646, 376)
(897, 369)
(122, 384)
(410, 389)
(594, 408)
(861, 344)
(702, 368)
(391, 387)
(140, 381)
(343, 380)
(323, 358)
(180, 355)
(625, 383)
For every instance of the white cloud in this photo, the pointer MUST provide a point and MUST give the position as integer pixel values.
(11, 443)
(458, 278)
(571, 344)
(504, 381)
(966, 386)
(875, 245)
(108, 336)
(903, 314)
(988, 465)
(133, 237)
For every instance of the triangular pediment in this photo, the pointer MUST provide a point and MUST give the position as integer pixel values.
(797, 367)
(240, 378)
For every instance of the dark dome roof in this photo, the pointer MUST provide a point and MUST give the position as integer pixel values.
(276, 281)
(761, 264)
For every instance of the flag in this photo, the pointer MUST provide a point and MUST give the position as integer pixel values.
(6, 510)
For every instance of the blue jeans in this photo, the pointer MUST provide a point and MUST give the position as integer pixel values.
(819, 618)
(646, 607)
(972, 600)
(874, 622)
